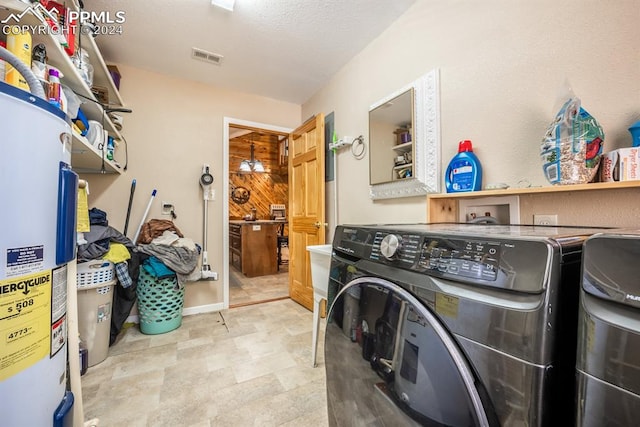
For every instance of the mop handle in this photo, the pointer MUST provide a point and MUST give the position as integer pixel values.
(126, 222)
(146, 212)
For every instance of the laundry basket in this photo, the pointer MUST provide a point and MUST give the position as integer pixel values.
(95, 282)
(160, 303)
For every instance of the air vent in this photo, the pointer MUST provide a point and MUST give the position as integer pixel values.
(203, 55)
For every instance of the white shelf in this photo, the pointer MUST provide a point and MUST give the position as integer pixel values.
(85, 158)
(403, 148)
(406, 165)
(101, 75)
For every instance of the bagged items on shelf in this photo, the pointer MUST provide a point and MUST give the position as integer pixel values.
(572, 147)
(82, 63)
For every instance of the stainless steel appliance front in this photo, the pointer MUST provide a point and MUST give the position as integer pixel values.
(608, 364)
(453, 325)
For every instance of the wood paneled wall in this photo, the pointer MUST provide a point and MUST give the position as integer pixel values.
(267, 188)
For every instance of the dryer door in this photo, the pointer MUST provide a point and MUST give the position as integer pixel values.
(390, 361)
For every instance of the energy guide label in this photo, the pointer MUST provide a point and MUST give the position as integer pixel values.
(25, 319)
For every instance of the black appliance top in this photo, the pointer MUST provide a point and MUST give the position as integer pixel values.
(611, 267)
(477, 253)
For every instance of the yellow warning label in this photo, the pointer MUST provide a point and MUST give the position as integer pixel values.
(447, 305)
(25, 322)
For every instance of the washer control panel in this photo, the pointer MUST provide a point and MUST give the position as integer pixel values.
(402, 249)
(472, 259)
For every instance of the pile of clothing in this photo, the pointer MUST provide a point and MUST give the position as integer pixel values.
(161, 250)
(169, 252)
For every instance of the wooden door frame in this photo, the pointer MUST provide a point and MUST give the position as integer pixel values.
(229, 122)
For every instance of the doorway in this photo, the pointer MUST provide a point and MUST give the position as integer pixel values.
(256, 210)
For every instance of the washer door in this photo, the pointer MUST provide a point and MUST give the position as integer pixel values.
(390, 361)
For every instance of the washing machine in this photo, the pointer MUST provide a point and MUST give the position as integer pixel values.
(453, 325)
(608, 358)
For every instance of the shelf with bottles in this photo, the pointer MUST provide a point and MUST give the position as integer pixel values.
(87, 158)
(403, 171)
(443, 207)
(71, 76)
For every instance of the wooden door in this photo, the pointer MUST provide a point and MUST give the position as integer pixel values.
(306, 205)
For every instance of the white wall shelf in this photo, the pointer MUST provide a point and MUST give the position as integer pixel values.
(403, 148)
(85, 158)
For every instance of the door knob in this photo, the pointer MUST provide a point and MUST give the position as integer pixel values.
(318, 224)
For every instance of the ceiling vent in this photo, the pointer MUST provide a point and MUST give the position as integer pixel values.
(203, 55)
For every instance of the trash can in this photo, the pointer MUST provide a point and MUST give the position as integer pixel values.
(160, 303)
(320, 258)
(96, 280)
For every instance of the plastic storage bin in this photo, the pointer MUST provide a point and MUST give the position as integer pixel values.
(95, 298)
(160, 303)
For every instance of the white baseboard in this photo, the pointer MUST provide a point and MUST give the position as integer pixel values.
(209, 308)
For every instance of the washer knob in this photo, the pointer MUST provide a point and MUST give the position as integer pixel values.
(390, 245)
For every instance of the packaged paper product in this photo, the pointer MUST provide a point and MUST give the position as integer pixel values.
(572, 145)
(622, 164)
(629, 161)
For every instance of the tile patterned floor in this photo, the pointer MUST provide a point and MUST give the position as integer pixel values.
(249, 290)
(246, 366)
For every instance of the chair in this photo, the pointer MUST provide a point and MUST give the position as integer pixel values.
(283, 242)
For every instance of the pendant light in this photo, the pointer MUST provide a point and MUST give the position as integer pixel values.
(253, 165)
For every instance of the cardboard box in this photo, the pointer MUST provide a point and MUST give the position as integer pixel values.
(609, 166)
(622, 164)
(629, 163)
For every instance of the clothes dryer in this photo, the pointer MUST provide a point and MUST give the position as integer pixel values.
(458, 325)
(608, 359)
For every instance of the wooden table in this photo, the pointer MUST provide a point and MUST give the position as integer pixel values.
(253, 246)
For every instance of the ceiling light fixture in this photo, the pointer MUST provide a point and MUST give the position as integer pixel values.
(250, 166)
(225, 4)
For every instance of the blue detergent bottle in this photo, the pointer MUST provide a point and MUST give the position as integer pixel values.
(464, 172)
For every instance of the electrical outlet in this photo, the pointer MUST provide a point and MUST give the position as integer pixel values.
(167, 208)
(541, 219)
(505, 209)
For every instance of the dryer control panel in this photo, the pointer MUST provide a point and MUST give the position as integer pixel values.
(472, 259)
(491, 259)
(437, 255)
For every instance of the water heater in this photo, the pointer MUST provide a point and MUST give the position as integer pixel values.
(38, 190)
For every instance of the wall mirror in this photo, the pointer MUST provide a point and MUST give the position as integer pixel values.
(404, 141)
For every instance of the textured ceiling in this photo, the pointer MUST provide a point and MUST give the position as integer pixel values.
(281, 49)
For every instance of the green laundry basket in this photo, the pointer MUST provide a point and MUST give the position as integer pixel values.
(160, 303)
